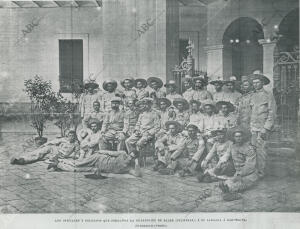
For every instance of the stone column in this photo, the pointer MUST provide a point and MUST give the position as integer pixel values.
(268, 60)
(215, 61)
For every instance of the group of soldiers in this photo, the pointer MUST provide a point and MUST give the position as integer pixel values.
(217, 136)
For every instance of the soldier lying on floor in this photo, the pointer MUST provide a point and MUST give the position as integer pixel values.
(244, 159)
(218, 160)
(104, 161)
(67, 147)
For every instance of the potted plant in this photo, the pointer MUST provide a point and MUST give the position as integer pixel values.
(42, 99)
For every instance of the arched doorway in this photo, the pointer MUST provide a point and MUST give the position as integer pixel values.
(286, 71)
(242, 53)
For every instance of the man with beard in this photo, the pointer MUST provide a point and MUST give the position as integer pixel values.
(147, 126)
(181, 111)
(263, 109)
(112, 128)
(226, 118)
(167, 144)
(200, 93)
(171, 91)
(244, 160)
(243, 104)
(188, 154)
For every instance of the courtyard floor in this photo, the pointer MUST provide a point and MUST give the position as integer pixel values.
(32, 189)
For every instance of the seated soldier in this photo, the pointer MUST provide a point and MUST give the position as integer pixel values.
(167, 144)
(171, 90)
(181, 111)
(104, 161)
(166, 113)
(208, 123)
(112, 128)
(244, 160)
(218, 160)
(130, 117)
(140, 88)
(90, 143)
(96, 114)
(66, 147)
(147, 126)
(188, 155)
(226, 118)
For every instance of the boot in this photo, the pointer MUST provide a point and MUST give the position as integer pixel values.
(166, 171)
(94, 176)
(231, 196)
(223, 187)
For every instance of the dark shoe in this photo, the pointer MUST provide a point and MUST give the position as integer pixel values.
(15, 161)
(223, 187)
(181, 173)
(232, 196)
(207, 179)
(52, 165)
(166, 171)
(155, 167)
(94, 176)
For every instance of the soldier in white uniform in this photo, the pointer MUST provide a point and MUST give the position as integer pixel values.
(140, 88)
(218, 95)
(111, 91)
(230, 92)
(188, 89)
(171, 91)
(200, 93)
(226, 117)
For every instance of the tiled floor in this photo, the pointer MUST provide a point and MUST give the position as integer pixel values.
(32, 189)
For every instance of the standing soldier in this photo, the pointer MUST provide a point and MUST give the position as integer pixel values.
(262, 117)
(171, 91)
(243, 105)
(140, 88)
(167, 144)
(188, 89)
(147, 126)
(113, 125)
(231, 94)
(128, 91)
(87, 99)
(226, 118)
(110, 88)
(195, 114)
(188, 155)
(244, 160)
(156, 91)
(182, 111)
(200, 93)
(219, 93)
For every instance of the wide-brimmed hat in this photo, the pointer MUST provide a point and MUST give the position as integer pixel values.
(183, 101)
(259, 75)
(177, 125)
(195, 101)
(155, 79)
(116, 99)
(246, 133)
(110, 81)
(90, 84)
(171, 83)
(209, 102)
(202, 79)
(215, 132)
(145, 101)
(229, 105)
(143, 81)
(232, 79)
(93, 121)
(130, 79)
(167, 101)
(217, 81)
(193, 126)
